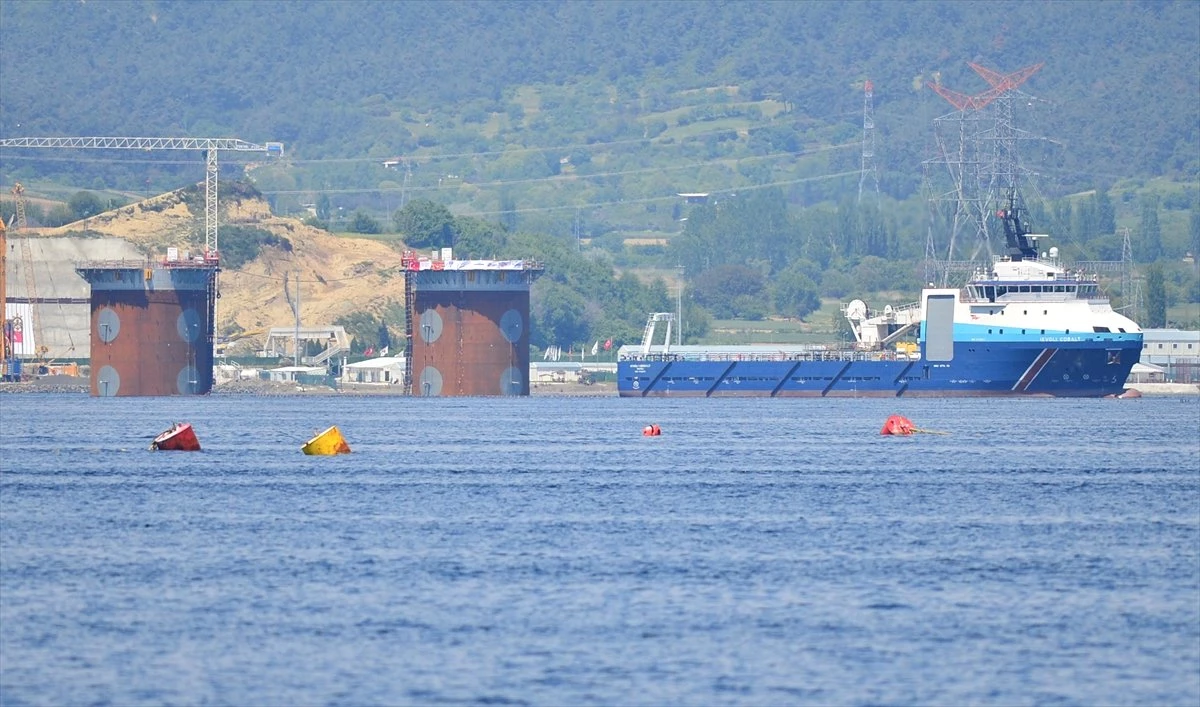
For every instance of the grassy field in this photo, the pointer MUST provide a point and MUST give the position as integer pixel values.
(818, 328)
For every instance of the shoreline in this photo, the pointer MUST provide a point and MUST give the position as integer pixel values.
(70, 384)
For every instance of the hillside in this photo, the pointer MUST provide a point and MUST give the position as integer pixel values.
(338, 276)
(595, 125)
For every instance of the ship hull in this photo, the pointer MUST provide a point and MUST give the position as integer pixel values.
(1093, 368)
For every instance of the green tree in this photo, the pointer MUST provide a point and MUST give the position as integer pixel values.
(1085, 218)
(722, 288)
(1194, 233)
(795, 294)
(363, 328)
(1106, 213)
(1149, 231)
(364, 223)
(84, 204)
(426, 224)
(478, 238)
(559, 315)
(1156, 298)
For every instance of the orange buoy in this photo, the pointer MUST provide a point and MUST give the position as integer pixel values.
(651, 431)
(657, 430)
(898, 425)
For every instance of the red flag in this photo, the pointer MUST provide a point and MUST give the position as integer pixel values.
(370, 350)
(608, 344)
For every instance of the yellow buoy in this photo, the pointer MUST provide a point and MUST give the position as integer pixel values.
(327, 443)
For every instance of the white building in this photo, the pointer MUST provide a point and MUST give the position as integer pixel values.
(290, 374)
(384, 370)
(1176, 351)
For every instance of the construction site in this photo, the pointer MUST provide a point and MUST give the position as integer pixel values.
(142, 320)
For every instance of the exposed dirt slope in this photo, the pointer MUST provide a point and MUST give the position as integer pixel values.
(338, 275)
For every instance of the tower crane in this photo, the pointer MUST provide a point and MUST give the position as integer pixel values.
(210, 145)
(39, 352)
(5, 373)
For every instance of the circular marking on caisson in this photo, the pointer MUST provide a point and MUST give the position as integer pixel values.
(188, 325)
(431, 326)
(511, 326)
(430, 383)
(108, 382)
(510, 381)
(187, 381)
(108, 325)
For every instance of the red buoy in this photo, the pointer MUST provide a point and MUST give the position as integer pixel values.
(651, 431)
(898, 425)
(179, 437)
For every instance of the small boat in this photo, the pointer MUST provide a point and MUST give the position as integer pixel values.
(327, 443)
(179, 437)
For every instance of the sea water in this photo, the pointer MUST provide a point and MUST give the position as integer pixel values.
(542, 551)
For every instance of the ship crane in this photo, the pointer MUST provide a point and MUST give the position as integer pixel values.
(210, 146)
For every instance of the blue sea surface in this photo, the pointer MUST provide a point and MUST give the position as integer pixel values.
(542, 551)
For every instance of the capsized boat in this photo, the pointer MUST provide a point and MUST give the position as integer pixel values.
(327, 443)
(178, 437)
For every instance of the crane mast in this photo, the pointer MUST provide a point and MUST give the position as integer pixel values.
(39, 352)
(4, 372)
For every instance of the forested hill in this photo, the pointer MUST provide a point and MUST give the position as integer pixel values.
(353, 79)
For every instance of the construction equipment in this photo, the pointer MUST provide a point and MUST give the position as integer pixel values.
(39, 342)
(210, 146)
(10, 367)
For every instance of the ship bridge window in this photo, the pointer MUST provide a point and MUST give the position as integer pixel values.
(1024, 288)
(1101, 330)
(1001, 291)
(991, 293)
(1059, 288)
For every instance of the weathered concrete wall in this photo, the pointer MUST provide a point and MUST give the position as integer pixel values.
(65, 324)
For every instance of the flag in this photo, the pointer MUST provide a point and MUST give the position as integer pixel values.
(370, 350)
(596, 348)
(383, 351)
(608, 344)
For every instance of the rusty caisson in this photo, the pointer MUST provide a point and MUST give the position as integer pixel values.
(151, 326)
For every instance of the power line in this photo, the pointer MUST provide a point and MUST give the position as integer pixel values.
(564, 178)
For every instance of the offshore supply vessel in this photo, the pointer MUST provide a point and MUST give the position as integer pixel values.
(1026, 326)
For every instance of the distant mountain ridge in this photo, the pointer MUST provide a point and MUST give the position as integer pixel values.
(380, 79)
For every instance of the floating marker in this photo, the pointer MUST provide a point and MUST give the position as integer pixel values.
(179, 437)
(327, 443)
